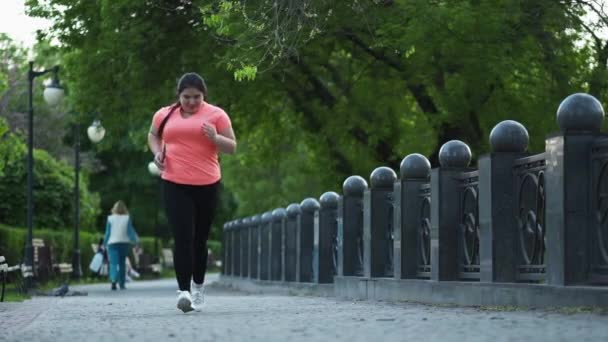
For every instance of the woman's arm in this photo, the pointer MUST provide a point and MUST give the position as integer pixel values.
(107, 235)
(224, 140)
(131, 233)
(155, 145)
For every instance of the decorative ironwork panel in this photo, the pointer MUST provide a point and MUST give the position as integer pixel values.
(254, 251)
(424, 232)
(236, 243)
(599, 260)
(468, 229)
(530, 183)
(334, 247)
(245, 253)
(264, 252)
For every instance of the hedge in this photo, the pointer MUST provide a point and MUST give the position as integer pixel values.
(12, 243)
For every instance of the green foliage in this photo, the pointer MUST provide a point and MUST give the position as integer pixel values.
(317, 90)
(246, 73)
(53, 187)
(11, 56)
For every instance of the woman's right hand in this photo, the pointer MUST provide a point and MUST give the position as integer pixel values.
(159, 160)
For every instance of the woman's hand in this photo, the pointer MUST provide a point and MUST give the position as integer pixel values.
(159, 160)
(209, 131)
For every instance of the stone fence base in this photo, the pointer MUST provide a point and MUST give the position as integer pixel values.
(277, 287)
(432, 292)
(470, 293)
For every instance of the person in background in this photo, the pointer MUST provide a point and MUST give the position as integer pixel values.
(131, 272)
(119, 237)
(186, 138)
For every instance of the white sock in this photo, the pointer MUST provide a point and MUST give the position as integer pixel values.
(198, 286)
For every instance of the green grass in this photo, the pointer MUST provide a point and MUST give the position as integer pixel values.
(12, 294)
(167, 273)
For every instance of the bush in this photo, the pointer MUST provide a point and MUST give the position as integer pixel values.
(12, 243)
(53, 188)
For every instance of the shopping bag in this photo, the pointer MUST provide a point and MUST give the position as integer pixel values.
(104, 269)
(96, 262)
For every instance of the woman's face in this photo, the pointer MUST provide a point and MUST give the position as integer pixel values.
(190, 99)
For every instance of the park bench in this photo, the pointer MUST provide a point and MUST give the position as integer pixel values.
(3, 272)
(145, 263)
(5, 269)
(45, 264)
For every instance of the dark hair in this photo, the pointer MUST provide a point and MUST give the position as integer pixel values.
(188, 80)
(191, 80)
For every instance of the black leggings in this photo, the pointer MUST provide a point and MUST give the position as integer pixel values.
(190, 210)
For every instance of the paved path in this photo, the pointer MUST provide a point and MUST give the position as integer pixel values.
(146, 312)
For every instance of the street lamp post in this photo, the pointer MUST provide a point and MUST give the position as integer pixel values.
(155, 171)
(96, 133)
(52, 95)
(76, 268)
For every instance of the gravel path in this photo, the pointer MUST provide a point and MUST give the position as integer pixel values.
(146, 312)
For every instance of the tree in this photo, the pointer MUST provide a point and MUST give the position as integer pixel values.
(458, 60)
(122, 60)
(326, 89)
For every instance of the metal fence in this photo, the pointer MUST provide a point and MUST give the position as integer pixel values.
(517, 217)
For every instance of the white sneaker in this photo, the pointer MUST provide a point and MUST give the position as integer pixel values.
(184, 301)
(198, 296)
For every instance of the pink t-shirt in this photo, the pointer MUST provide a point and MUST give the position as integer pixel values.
(191, 158)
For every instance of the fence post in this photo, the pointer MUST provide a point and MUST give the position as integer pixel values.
(350, 227)
(229, 231)
(290, 241)
(276, 244)
(244, 241)
(414, 171)
(497, 203)
(254, 246)
(454, 157)
(226, 249)
(265, 246)
(325, 230)
(377, 224)
(569, 183)
(305, 239)
(236, 244)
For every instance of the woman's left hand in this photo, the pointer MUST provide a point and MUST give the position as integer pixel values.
(209, 131)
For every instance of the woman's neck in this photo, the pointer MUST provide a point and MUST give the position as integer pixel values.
(187, 113)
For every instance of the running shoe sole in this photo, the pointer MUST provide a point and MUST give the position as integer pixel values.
(185, 305)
